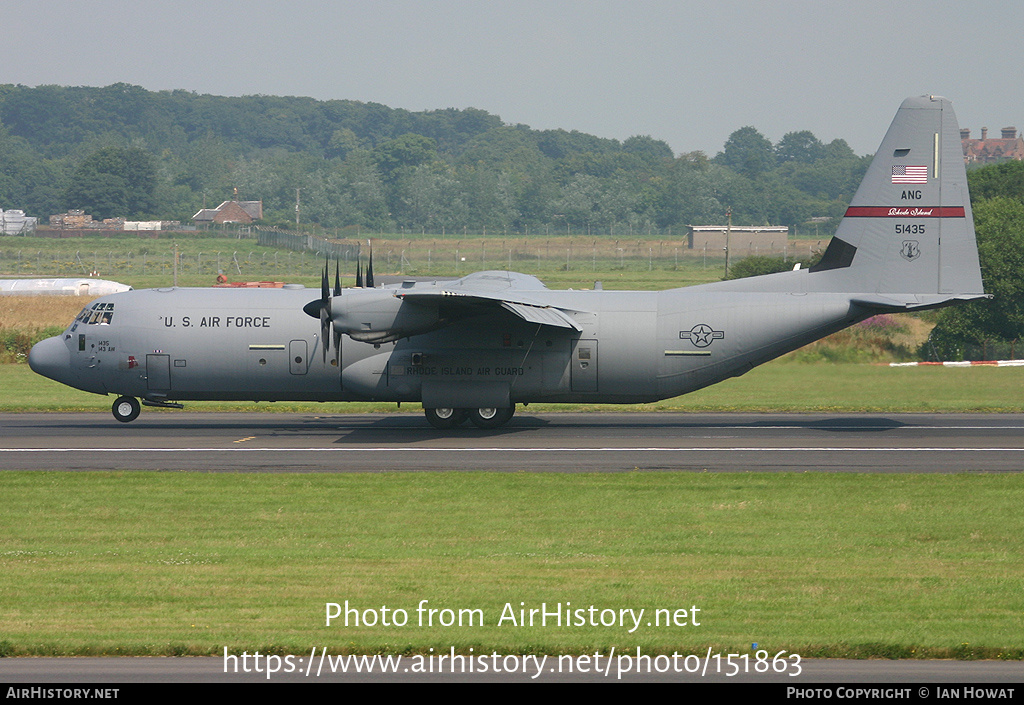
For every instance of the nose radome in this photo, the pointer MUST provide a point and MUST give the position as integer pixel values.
(50, 358)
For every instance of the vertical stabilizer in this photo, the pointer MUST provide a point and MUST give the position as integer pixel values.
(909, 228)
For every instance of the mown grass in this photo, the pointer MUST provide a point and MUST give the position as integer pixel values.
(837, 565)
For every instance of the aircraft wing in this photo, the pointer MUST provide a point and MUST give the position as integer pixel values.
(520, 294)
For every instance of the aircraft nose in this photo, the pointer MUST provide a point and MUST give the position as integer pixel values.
(50, 358)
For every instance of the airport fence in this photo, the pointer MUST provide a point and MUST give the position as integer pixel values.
(276, 254)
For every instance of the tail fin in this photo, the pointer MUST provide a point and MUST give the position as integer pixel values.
(908, 235)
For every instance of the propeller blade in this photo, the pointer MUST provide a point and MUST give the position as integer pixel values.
(336, 333)
(325, 310)
(359, 273)
(369, 272)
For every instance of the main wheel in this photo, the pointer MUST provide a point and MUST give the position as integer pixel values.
(491, 418)
(126, 409)
(445, 419)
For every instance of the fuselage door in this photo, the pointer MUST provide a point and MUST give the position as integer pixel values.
(584, 366)
(158, 372)
(298, 361)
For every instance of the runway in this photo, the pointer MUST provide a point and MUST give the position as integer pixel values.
(553, 442)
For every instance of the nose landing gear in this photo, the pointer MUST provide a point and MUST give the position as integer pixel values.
(126, 409)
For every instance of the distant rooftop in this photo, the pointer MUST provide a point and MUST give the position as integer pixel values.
(231, 212)
(989, 150)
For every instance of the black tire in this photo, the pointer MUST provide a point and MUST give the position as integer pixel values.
(126, 409)
(491, 418)
(445, 419)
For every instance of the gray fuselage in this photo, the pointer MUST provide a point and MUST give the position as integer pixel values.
(215, 344)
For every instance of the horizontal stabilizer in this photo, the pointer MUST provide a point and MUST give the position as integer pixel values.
(896, 304)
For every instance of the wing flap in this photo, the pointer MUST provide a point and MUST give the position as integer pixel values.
(519, 294)
(544, 315)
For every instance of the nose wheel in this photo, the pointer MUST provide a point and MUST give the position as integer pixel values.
(126, 409)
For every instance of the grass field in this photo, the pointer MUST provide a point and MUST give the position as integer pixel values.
(820, 565)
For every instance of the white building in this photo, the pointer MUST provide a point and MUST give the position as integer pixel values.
(15, 222)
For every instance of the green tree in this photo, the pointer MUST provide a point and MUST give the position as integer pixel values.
(756, 265)
(999, 224)
(114, 182)
(838, 149)
(802, 147)
(648, 148)
(341, 143)
(1005, 179)
(405, 152)
(747, 152)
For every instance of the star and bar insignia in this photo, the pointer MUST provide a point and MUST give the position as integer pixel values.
(701, 335)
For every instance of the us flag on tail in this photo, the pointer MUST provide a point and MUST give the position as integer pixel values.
(903, 174)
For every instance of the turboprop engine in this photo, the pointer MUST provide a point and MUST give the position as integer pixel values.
(368, 315)
(378, 316)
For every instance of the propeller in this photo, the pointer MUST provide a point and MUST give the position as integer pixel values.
(322, 308)
(325, 309)
(337, 333)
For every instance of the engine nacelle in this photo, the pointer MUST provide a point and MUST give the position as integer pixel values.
(378, 316)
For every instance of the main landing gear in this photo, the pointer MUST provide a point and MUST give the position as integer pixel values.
(445, 419)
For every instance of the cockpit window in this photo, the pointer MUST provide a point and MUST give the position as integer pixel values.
(101, 314)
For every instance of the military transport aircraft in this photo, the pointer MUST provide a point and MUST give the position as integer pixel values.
(60, 287)
(477, 346)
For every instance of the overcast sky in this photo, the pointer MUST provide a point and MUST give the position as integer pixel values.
(689, 73)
